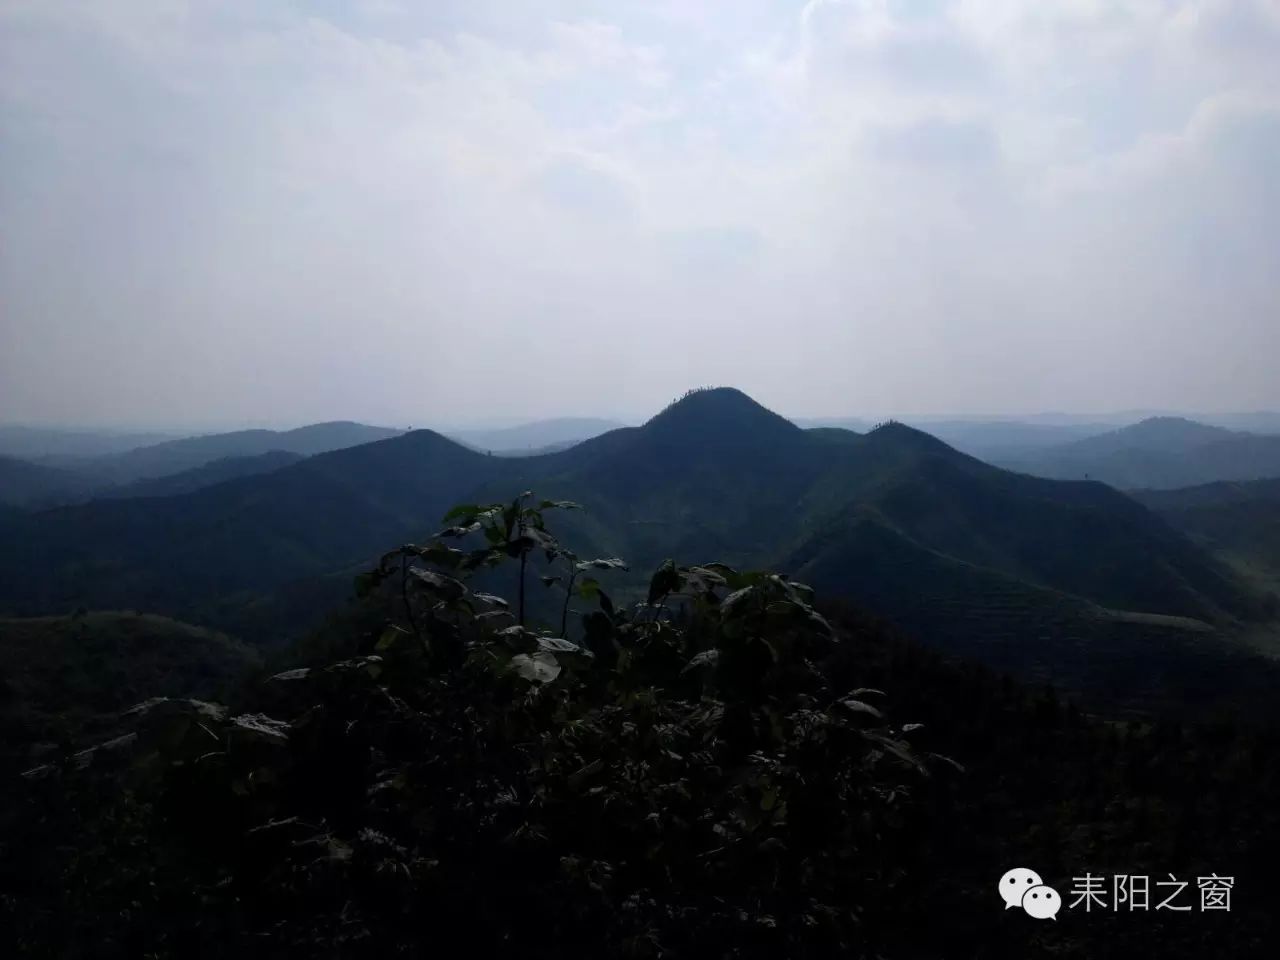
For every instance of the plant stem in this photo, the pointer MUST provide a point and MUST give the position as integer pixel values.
(568, 595)
(524, 556)
(408, 607)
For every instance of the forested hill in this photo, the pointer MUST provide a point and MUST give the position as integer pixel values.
(729, 766)
(206, 475)
(883, 517)
(1239, 521)
(25, 484)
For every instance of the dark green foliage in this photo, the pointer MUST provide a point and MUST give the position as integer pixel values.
(1065, 792)
(686, 779)
(62, 678)
(714, 770)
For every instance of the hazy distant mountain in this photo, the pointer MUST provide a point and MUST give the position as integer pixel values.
(26, 484)
(537, 436)
(1153, 435)
(858, 424)
(1261, 421)
(884, 518)
(990, 439)
(216, 471)
(1159, 453)
(34, 443)
(174, 456)
(997, 439)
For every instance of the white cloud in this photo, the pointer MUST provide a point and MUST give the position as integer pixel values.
(382, 212)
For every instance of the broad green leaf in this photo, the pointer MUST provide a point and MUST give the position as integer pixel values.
(898, 748)
(603, 563)
(559, 505)
(262, 727)
(560, 645)
(441, 555)
(299, 673)
(469, 510)
(541, 538)
(459, 531)
(858, 706)
(736, 599)
(445, 585)
(541, 667)
(392, 635)
(959, 768)
(665, 580)
(707, 658)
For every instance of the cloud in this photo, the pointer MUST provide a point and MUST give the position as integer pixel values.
(292, 212)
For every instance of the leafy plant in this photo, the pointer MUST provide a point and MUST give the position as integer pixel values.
(683, 778)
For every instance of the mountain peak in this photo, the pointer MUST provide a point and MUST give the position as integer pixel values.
(896, 432)
(1169, 434)
(720, 413)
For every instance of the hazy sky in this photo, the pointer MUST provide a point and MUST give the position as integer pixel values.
(456, 209)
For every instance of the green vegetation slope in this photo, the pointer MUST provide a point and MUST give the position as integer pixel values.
(883, 518)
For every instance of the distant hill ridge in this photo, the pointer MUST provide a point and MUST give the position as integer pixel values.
(1163, 434)
(188, 463)
(536, 436)
(1158, 453)
(206, 475)
(26, 484)
(172, 456)
(888, 518)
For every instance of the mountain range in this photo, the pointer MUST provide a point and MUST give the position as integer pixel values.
(173, 456)
(539, 436)
(1157, 453)
(1019, 570)
(35, 443)
(186, 464)
(1238, 521)
(27, 484)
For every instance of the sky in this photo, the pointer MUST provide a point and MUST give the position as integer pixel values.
(463, 210)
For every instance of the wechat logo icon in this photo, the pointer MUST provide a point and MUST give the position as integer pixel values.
(1021, 887)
